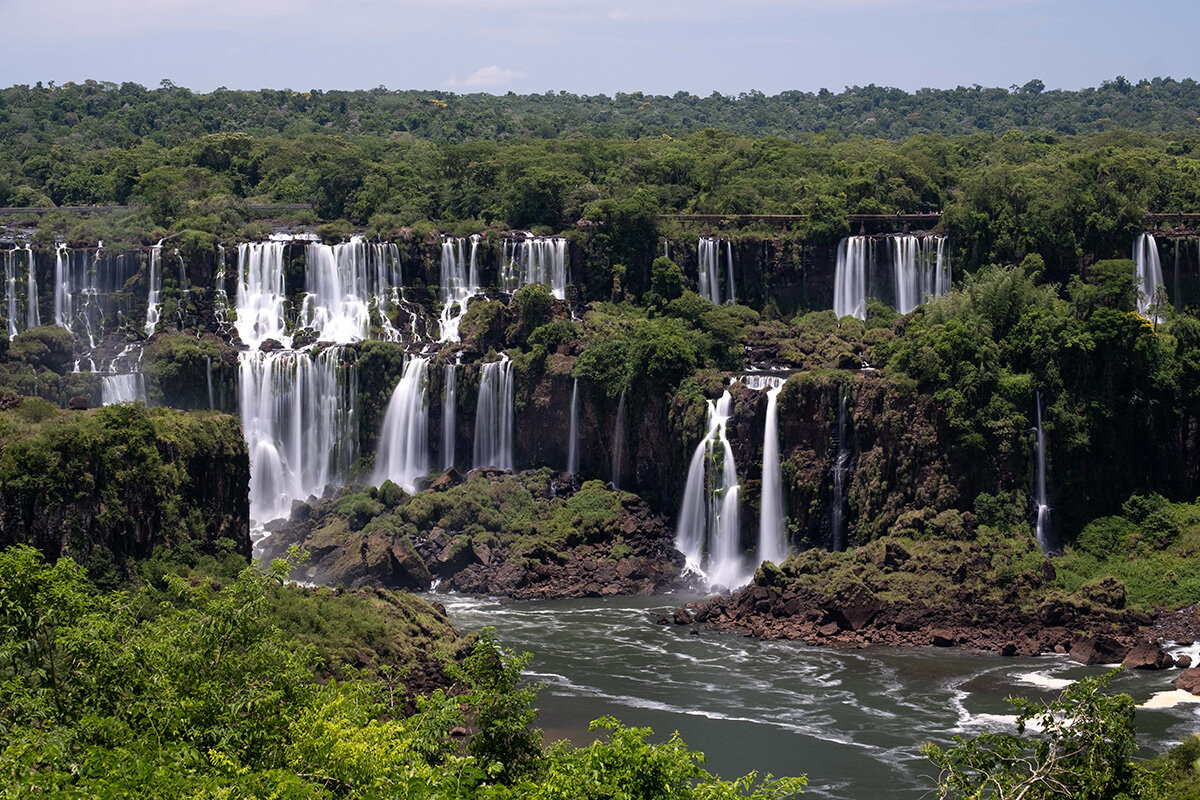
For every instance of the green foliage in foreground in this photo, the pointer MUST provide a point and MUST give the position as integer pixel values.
(1079, 746)
(113, 695)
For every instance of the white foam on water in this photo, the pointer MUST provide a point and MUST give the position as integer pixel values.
(1043, 680)
(1170, 699)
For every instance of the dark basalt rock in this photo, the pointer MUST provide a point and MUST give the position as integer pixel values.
(1147, 655)
(1098, 650)
(1189, 681)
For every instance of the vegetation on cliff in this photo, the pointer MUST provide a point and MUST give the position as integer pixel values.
(112, 485)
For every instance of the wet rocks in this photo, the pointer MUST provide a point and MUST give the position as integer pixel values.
(1189, 681)
(1147, 655)
(1098, 650)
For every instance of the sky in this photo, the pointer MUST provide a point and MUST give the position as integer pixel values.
(589, 47)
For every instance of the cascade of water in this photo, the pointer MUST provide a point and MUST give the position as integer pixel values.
(298, 417)
(535, 259)
(449, 413)
(260, 294)
(459, 282)
(122, 388)
(921, 268)
(184, 286)
(403, 455)
(708, 253)
(34, 317)
(1042, 531)
(1149, 271)
(841, 469)
(152, 311)
(772, 531)
(730, 285)
(573, 442)
(708, 518)
(63, 287)
(344, 282)
(850, 276)
(10, 291)
(618, 452)
(494, 416)
(208, 373)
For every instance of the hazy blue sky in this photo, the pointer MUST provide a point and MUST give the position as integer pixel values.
(655, 46)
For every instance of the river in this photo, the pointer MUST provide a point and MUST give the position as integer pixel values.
(852, 720)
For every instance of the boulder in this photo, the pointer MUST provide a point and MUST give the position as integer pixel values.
(1098, 650)
(943, 637)
(1147, 655)
(682, 617)
(1189, 680)
(1183, 662)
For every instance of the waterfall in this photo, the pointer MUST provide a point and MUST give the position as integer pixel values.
(208, 373)
(298, 417)
(344, 282)
(122, 388)
(708, 253)
(459, 282)
(63, 287)
(1149, 272)
(220, 296)
(535, 259)
(260, 294)
(708, 518)
(841, 469)
(10, 291)
(772, 527)
(1042, 531)
(730, 285)
(618, 451)
(403, 454)
(155, 288)
(494, 416)
(921, 268)
(33, 318)
(449, 413)
(854, 255)
(573, 442)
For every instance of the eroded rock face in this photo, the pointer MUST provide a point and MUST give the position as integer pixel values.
(113, 484)
(1189, 681)
(556, 539)
(1098, 650)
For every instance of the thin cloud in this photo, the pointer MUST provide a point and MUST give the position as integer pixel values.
(494, 75)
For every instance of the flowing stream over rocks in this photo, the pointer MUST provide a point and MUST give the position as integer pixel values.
(853, 720)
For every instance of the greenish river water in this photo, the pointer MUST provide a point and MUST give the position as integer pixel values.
(852, 720)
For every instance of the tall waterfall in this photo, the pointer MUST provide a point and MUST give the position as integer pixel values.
(403, 454)
(618, 451)
(841, 470)
(260, 294)
(709, 258)
(449, 413)
(29, 317)
(573, 442)
(10, 291)
(772, 520)
(459, 282)
(854, 256)
(1042, 531)
(921, 267)
(494, 416)
(708, 520)
(63, 287)
(33, 317)
(152, 310)
(535, 259)
(1149, 271)
(298, 417)
(345, 281)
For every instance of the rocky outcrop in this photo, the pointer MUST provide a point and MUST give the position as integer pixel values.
(117, 483)
(547, 537)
